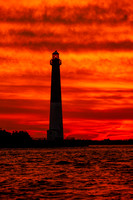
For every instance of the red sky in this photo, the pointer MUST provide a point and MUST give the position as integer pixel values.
(95, 42)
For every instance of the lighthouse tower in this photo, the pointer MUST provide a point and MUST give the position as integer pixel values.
(55, 131)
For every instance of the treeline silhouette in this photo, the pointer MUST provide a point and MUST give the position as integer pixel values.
(22, 139)
(14, 139)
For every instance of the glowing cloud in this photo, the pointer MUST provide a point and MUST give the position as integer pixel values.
(95, 42)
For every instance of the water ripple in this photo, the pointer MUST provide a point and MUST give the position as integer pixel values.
(95, 172)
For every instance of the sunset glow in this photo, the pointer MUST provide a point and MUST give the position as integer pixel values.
(95, 43)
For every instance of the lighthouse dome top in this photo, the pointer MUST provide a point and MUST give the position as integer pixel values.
(55, 55)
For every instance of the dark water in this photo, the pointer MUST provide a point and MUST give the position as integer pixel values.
(95, 172)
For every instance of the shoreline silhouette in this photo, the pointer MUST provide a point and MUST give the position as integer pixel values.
(22, 139)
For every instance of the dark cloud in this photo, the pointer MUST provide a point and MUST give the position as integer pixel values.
(75, 109)
(17, 15)
(44, 44)
(100, 93)
(22, 106)
(107, 114)
(67, 19)
(68, 15)
(18, 124)
(25, 88)
(28, 79)
(111, 97)
(23, 32)
(7, 59)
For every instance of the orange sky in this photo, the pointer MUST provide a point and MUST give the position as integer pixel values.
(95, 42)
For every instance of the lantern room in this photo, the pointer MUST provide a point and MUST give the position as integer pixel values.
(55, 59)
(55, 55)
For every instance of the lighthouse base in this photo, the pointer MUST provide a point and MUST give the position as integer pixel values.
(54, 135)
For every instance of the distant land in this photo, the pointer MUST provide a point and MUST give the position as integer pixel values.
(22, 139)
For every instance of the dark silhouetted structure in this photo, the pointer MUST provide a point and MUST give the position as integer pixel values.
(55, 131)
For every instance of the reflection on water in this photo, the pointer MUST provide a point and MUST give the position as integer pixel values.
(95, 172)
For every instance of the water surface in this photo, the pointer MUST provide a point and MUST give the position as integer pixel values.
(94, 172)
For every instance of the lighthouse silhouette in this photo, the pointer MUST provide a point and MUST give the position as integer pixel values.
(55, 131)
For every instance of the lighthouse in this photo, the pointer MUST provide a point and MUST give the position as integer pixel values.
(55, 131)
